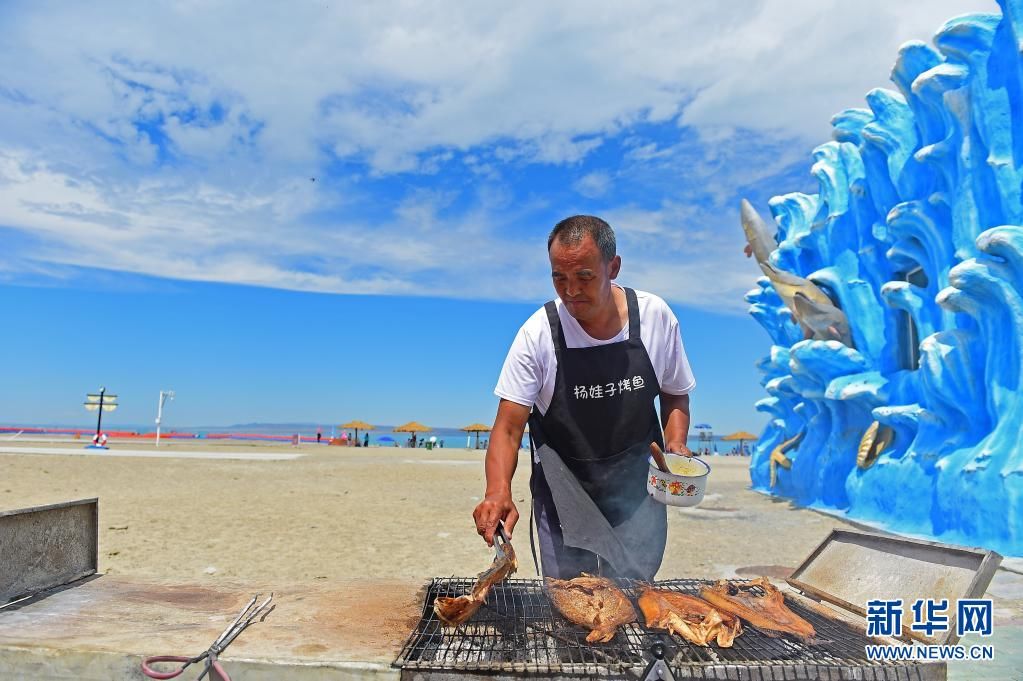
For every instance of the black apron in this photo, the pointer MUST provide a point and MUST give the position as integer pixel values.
(590, 452)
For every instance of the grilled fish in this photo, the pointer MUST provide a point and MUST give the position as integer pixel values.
(692, 618)
(592, 602)
(767, 612)
(455, 611)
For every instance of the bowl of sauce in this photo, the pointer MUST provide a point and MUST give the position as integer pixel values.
(683, 486)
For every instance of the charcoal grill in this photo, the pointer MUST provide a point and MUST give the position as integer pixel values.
(518, 634)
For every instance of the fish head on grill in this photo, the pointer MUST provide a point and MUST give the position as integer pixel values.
(761, 604)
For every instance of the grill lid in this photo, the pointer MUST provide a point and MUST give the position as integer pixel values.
(850, 568)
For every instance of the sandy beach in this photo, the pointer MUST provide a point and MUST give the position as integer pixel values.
(367, 528)
(338, 513)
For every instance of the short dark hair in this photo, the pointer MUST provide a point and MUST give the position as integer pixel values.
(572, 230)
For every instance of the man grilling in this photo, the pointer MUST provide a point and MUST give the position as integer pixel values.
(584, 372)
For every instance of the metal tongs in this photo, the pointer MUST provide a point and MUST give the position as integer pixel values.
(500, 553)
(212, 667)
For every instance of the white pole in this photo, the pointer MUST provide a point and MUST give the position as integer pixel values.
(468, 441)
(159, 414)
(164, 394)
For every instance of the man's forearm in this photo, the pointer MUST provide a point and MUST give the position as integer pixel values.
(499, 467)
(502, 457)
(503, 451)
(675, 417)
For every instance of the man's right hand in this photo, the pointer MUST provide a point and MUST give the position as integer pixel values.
(495, 507)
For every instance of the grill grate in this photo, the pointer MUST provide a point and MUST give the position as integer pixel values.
(518, 631)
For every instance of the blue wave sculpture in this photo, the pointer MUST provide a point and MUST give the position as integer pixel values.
(912, 417)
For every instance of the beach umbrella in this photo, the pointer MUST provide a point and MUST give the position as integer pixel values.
(412, 427)
(357, 425)
(385, 438)
(704, 434)
(740, 436)
(477, 428)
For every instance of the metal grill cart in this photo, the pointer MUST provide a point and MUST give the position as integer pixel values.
(518, 634)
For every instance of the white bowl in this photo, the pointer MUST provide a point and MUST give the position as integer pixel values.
(673, 489)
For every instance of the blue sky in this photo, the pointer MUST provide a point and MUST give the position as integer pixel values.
(324, 212)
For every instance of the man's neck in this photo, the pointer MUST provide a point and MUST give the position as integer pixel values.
(612, 320)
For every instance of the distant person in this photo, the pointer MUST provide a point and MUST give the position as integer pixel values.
(442, 444)
(319, 434)
(365, 440)
(344, 439)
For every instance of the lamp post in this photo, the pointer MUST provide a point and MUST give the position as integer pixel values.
(164, 396)
(100, 402)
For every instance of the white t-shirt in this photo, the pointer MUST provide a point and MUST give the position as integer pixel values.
(527, 377)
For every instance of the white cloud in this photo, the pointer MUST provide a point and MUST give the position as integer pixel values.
(592, 185)
(202, 233)
(687, 254)
(406, 76)
(248, 104)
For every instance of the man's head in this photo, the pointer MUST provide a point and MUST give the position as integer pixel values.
(574, 229)
(583, 264)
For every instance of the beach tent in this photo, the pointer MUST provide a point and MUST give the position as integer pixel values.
(412, 427)
(477, 428)
(741, 436)
(357, 425)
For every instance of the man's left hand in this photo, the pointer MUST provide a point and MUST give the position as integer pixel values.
(678, 448)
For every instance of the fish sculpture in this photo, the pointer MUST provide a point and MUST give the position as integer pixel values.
(824, 320)
(811, 307)
(591, 602)
(692, 618)
(876, 439)
(761, 240)
(766, 611)
(778, 457)
(453, 611)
